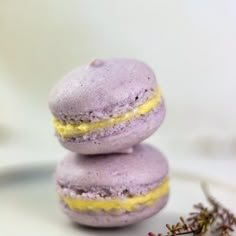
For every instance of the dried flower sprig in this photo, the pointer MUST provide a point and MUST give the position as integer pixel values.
(218, 218)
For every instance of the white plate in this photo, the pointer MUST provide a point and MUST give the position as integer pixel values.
(29, 205)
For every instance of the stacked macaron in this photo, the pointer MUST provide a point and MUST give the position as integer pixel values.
(101, 113)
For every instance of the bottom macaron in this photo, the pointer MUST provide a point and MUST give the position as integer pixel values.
(113, 190)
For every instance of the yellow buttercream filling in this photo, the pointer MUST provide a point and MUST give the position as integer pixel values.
(128, 204)
(69, 130)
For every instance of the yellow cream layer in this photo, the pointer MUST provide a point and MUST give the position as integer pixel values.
(128, 204)
(69, 130)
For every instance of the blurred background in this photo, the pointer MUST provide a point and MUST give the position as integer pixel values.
(189, 44)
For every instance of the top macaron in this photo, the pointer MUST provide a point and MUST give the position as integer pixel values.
(106, 106)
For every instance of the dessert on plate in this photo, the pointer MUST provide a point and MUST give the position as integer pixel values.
(113, 189)
(101, 113)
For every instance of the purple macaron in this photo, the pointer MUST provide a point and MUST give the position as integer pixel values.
(106, 106)
(113, 190)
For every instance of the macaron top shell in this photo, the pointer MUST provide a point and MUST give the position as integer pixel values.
(100, 88)
(144, 166)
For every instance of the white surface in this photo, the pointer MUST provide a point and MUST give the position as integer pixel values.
(29, 205)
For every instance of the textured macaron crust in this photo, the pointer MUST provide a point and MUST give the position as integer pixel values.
(113, 190)
(103, 101)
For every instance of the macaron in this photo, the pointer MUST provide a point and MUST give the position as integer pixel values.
(113, 190)
(106, 106)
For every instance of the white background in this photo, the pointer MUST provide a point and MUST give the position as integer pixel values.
(191, 45)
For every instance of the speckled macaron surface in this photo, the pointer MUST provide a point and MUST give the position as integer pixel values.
(113, 190)
(106, 106)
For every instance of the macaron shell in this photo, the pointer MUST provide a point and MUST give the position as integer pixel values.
(99, 87)
(103, 219)
(133, 132)
(145, 166)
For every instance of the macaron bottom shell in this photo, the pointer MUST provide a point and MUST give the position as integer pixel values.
(119, 137)
(114, 219)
